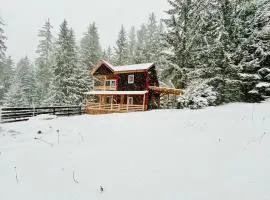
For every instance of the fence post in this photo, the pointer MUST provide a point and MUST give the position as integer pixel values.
(53, 110)
(0, 114)
(33, 110)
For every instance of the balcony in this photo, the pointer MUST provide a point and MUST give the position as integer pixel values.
(104, 88)
(105, 85)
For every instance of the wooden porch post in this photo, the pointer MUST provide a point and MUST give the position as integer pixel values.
(105, 83)
(121, 101)
(99, 101)
(168, 97)
(143, 101)
(112, 103)
(127, 102)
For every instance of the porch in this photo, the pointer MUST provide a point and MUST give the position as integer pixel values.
(103, 102)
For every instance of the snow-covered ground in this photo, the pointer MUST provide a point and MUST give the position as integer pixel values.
(220, 153)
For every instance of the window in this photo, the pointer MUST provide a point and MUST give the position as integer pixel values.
(130, 100)
(110, 83)
(113, 83)
(130, 79)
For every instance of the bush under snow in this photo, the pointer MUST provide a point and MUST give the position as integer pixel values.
(198, 95)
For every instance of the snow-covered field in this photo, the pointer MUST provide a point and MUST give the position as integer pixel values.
(211, 154)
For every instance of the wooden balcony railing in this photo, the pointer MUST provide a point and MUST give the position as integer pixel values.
(105, 88)
(114, 107)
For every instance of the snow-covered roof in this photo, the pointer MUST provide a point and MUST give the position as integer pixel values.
(117, 92)
(125, 68)
(143, 66)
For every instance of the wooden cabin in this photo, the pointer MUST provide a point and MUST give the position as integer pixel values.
(125, 88)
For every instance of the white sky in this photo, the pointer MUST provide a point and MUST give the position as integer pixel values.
(23, 18)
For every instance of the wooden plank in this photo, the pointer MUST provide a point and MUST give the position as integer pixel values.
(143, 101)
(164, 90)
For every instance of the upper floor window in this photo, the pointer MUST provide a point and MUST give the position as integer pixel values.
(130, 79)
(113, 83)
(110, 83)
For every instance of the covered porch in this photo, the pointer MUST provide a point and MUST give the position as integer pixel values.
(102, 102)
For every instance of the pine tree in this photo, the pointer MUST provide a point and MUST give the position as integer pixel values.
(15, 96)
(2, 41)
(6, 77)
(131, 45)
(23, 90)
(140, 49)
(108, 54)
(181, 37)
(224, 32)
(90, 49)
(45, 61)
(161, 58)
(121, 49)
(68, 85)
(253, 55)
(152, 39)
(214, 49)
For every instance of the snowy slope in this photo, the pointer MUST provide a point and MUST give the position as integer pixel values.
(220, 153)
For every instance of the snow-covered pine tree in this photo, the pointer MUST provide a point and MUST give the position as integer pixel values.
(2, 58)
(65, 88)
(2, 41)
(23, 90)
(45, 61)
(140, 48)
(230, 89)
(160, 57)
(6, 77)
(90, 49)
(108, 54)
(215, 47)
(90, 54)
(131, 45)
(253, 55)
(180, 39)
(121, 48)
(15, 96)
(152, 39)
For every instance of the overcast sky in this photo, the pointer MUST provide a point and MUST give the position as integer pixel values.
(23, 18)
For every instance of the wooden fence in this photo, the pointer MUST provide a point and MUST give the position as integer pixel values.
(20, 114)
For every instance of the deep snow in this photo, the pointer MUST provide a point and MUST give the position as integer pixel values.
(220, 153)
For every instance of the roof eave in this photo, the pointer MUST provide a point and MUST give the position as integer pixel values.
(98, 65)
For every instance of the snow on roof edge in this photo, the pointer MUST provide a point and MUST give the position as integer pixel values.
(141, 66)
(116, 92)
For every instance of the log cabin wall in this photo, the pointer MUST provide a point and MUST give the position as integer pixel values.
(137, 100)
(138, 85)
